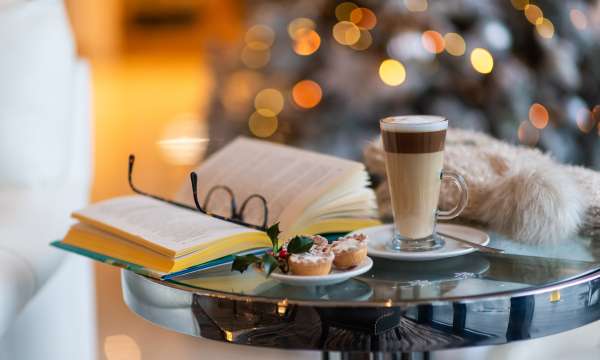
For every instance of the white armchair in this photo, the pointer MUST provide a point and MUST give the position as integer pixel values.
(46, 298)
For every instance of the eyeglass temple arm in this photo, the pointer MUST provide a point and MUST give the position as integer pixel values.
(140, 192)
(194, 180)
(130, 175)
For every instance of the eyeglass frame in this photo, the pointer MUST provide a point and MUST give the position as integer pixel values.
(236, 217)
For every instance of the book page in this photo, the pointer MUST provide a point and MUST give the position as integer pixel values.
(289, 178)
(168, 229)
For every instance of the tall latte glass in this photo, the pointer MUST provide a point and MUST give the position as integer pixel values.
(414, 157)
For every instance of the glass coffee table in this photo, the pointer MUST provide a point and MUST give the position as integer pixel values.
(398, 309)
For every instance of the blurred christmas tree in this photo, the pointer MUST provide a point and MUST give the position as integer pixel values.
(320, 74)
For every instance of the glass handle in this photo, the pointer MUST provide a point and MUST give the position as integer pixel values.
(459, 181)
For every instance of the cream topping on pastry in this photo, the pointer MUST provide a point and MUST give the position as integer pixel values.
(349, 243)
(320, 251)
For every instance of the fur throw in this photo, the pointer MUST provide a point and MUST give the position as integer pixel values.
(517, 191)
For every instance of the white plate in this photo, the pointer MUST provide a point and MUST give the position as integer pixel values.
(379, 236)
(336, 276)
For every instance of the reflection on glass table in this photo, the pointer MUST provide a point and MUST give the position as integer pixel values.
(397, 307)
(520, 268)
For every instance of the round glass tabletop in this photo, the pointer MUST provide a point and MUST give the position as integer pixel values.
(477, 299)
(521, 269)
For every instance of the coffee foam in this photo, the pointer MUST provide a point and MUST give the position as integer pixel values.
(414, 123)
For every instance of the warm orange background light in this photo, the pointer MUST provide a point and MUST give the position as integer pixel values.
(307, 94)
(432, 41)
(307, 42)
(364, 18)
(538, 115)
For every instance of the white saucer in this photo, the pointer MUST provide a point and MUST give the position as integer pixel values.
(336, 276)
(379, 236)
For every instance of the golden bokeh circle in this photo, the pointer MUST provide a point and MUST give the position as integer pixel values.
(364, 41)
(346, 33)
(300, 25)
(261, 125)
(307, 94)
(432, 41)
(416, 5)
(254, 58)
(363, 18)
(343, 10)
(268, 102)
(545, 29)
(534, 14)
(259, 37)
(392, 72)
(538, 116)
(307, 42)
(482, 60)
(121, 346)
(454, 44)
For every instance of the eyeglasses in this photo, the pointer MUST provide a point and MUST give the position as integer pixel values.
(236, 217)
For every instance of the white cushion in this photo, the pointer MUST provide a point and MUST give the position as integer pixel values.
(44, 145)
(17, 286)
(36, 72)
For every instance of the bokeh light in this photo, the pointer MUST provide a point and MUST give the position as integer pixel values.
(482, 60)
(528, 135)
(416, 5)
(346, 33)
(363, 18)
(307, 94)
(261, 125)
(268, 102)
(254, 58)
(307, 42)
(343, 10)
(184, 140)
(538, 116)
(118, 347)
(364, 41)
(407, 45)
(578, 19)
(585, 120)
(300, 25)
(432, 41)
(392, 72)
(259, 37)
(534, 14)
(545, 29)
(454, 44)
(596, 114)
(497, 35)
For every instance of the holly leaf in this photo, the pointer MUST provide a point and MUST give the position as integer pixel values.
(273, 233)
(299, 244)
(241, 263)
(269, 263)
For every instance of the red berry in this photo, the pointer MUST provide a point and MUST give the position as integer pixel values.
(283, 253)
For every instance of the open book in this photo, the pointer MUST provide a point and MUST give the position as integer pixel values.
(306, 192)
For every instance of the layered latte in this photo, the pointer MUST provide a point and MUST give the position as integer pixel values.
(414, 151)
